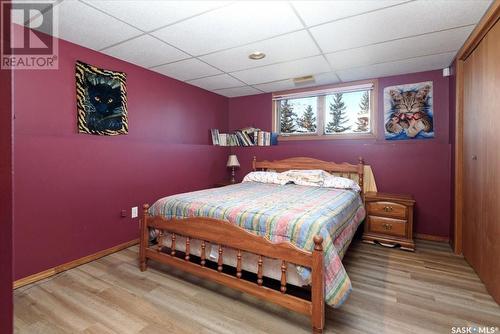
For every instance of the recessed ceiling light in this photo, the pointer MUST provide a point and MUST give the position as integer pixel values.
(257, 55)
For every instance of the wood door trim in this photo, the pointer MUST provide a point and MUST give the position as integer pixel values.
(487, 22)
(459, 147)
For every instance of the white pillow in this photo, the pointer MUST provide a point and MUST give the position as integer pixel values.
(306, 177)
(341, 183)
(264, 177)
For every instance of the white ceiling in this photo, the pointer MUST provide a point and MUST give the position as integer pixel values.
(207, 43)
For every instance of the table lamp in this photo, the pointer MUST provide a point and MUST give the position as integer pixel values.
(232, 162)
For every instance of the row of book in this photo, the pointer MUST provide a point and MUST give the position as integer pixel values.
(244, 137)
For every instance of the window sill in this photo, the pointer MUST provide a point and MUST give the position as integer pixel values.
(347, 136)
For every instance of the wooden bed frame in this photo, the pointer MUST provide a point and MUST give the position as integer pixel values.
(225, 234)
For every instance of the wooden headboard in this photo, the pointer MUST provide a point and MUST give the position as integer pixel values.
(351, 171)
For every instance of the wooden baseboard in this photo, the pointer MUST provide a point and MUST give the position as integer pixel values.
(72, 264)
(431, 237)
(78, 262)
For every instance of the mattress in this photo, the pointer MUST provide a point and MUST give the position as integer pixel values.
(280, 213)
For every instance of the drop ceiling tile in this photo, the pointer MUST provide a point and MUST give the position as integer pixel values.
(83, 25)
(280, 71)
(419, 64)
(325, 79)
(439, 42)
(276, 86)
(408, 19)
(146, 51)
(216, 82)
(237, 91)
(283, 48)
(149, 15)
(186, 69)
(316, 12)
(34, 16)
(319, 80)
(240, 23)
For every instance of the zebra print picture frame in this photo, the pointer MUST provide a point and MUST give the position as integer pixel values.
(101, 100)
(408, 111)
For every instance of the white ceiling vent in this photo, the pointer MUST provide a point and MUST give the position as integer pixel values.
(308, 79)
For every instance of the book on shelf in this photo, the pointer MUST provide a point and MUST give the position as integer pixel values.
(215, 136)
(248, 136)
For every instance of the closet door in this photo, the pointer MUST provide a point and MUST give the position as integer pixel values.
(472, 231)
(491, 205)
(481, 223)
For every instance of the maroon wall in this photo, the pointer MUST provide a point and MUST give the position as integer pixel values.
(70, 188)
(418, 167)
(6, 198)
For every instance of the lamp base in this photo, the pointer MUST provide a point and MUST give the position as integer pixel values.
(233, 181)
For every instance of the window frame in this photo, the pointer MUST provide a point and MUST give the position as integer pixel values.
(321, 112)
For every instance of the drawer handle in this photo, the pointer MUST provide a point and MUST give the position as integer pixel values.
(387, 208)
(387, 226)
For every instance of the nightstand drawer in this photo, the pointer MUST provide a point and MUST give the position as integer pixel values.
(387, 226)
(387, 209)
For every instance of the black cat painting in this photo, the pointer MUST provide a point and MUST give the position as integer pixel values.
(101, 101)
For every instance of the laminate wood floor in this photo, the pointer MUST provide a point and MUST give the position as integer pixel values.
(428, 291)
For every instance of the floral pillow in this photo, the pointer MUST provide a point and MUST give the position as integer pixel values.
(340, 183)
(309, 177)
(264, 177)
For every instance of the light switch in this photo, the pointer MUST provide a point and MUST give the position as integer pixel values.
(134, 212)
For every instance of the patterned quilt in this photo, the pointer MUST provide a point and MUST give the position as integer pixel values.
(283, 213)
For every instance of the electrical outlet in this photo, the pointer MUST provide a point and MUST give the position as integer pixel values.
(135, 212)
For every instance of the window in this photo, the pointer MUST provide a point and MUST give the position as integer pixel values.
(298, 116)
(337, 112)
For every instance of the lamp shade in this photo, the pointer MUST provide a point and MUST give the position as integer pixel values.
(232, 161)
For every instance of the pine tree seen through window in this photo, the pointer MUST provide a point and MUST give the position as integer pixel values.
(339, 119)
(298, 116)
(288, 117)
(362, 124)
(308, 120)
(346, 111)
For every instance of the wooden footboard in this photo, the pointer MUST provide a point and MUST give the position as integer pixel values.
(227, 235)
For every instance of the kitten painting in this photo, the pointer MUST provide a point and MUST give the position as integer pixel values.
(408, 111)
(101, 101)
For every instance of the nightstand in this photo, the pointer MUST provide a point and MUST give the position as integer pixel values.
(389, 220)
(223, 183)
